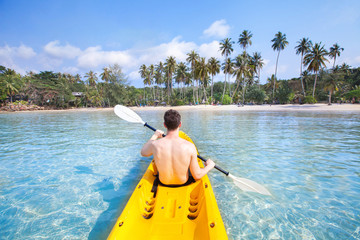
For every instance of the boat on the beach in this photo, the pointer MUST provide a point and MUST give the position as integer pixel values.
(159, 212)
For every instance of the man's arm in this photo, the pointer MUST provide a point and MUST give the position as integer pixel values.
(195, 169)
(147, 149)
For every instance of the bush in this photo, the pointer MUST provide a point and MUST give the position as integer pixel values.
(284, 93)
(255, 94)
(310, 100)
(177, 102)
(226, 100)
(22, 102)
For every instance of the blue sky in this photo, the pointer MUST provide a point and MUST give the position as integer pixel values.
(79, 36)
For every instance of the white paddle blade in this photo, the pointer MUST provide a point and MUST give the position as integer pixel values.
(249, 186)
(127, 114)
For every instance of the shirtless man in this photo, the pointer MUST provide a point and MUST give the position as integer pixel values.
(174, 156)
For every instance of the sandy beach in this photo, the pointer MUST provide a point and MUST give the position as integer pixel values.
(262, 108)
(342, 108)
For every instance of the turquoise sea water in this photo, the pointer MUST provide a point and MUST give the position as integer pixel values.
(68, 175)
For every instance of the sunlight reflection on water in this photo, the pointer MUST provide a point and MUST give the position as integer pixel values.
(68, 175)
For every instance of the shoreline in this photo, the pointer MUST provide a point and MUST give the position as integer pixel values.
(319, 107)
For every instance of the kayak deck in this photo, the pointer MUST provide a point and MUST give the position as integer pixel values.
(187, 212)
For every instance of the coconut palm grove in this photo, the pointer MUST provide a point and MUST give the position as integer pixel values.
(170, 82)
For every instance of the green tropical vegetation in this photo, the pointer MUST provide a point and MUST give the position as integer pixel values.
(192, 82)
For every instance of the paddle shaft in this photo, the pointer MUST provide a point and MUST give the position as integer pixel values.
(200, 157)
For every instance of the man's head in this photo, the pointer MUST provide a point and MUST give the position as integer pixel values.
(172, 119)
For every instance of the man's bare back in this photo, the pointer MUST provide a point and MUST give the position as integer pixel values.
(174, 156)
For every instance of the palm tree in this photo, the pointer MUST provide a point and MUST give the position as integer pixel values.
(239, 69)
(270, 82)
(279, 43)
(9, 88)
(331, 84)
(245, 39)
(159, 75)
(258, 63)
(228, 68)
(303, 47)
(181, 72)
(214, 68)
(335, 51)
(243, 70)
(143, 74)
(170, 66)
(151, 77)
(345, 68)
(105, 75)
(77, 78)
(202, 71)
(226, 49)
(192, 59)
(306, 77)
(315, 60)
(92, 78)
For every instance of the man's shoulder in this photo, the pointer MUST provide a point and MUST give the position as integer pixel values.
(188, 144)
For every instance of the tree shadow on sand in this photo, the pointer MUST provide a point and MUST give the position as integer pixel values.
(117, 199)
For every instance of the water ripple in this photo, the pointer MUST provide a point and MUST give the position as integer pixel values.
(68, 175)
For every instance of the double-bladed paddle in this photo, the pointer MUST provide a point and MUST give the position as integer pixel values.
(244, 184)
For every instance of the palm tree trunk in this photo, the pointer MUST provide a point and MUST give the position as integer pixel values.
(237, 86)
(154, 91)
(315, 84)
(204, 93)
(243, 103)
(301, 76)
(168, 88)
(222, 99)
(259, 78)
(212, 89)
(329, 97)
(184, 91)
(197, 91)
(277, 60)
(229, 86)
(144, 93)
(193, 83)
(162, 94)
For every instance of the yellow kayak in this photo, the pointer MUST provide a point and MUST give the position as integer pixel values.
(187, 212)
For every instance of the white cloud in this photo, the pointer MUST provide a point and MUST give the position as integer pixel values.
(54, 49)
(266, 62)
(25, 52)
(22, 51)
(134, 75)
(49, 63)
(217, 29)
(209, 50)
(175, 48)
(94, 57)
(10, 57)
(71, 70)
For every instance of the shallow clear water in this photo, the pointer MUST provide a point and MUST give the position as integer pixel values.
(68, 175)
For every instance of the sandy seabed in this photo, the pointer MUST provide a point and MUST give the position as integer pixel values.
(342, 108)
